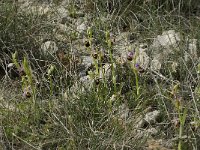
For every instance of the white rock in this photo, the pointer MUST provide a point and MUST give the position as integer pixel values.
(65, 2)
(49, 47)
(87, 61)
(191, 53)
(11, 65)
(186, 56)
(143, 59)
(122, 37)
(140, 122)
(41, 9)
(28, 8)
(123, 111)
(86, 82)
(192, 47)
(155, 65)
(61, 28)
(167, 39)
(152, 131)
(62, 12)
(162, 46)
(151, 117)
(81, 28)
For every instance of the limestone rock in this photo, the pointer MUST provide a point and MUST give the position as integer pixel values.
(123, 111)
(31, 8)
(155, 64)
(49, 47)
(149, 118)
(82, 27)
(87, 61)
(62, 12)
(192, 50)
(164, 45)
(167, 39)
(143, 59)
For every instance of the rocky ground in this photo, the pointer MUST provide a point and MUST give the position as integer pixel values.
(76, 51)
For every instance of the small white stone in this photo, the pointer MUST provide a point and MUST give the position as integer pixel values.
(155, 65)
(49, 47)
(152, 131)
(11, 65)
(151, 117)
(62, 12)
(192, 47)
(81, 28)
(168, 38)
(143, 60)
(123, 111)
(87, 61)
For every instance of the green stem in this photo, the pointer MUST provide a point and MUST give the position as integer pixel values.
(137, 82)
(180, 130)
(96, 66)
(112, 67)
(51, 85)
(180, 135)
(182, 118)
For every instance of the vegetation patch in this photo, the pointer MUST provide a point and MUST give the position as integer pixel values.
(99, 74)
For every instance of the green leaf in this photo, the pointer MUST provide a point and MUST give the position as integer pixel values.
(14, 59)
(27, 70)
(183, 118)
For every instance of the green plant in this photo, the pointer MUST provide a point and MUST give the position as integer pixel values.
(113, 65)
(72, 10)
(182, 113)
(68, 116)
(27, 77)
(132, 57)
(49, 74)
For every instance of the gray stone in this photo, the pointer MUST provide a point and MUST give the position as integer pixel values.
(87, 61)
(123, 112)
(151, 117)
(152, 131)
(82, 28)
(62, 12)
(11, 65)
(32, 8)
(49, 47)
(155, 64)
(61, 29)
(143, 59)
(167, 39)
(192, 50)
(86, 82)
(162, 46)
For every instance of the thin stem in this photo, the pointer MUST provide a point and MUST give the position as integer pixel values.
(137, 82)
